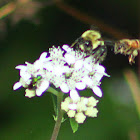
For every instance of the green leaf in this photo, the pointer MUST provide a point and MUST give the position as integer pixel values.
(55, 117)
(63, 120)
(74, 125)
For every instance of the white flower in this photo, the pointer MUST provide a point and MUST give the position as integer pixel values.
(71, 113)
(91, 112)
(64, 68)
(92, 102)
(32, 77)
(81, 108)
(80, 117)
(29, 93)
(56, 53)
(64, 106)
(39, 64)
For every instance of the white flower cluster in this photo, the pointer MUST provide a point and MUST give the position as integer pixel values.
(81, 108)
(64, 68)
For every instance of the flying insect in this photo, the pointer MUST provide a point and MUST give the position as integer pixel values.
(128, 47)
(91, 43)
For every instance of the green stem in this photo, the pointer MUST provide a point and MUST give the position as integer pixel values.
(54, 103)
(59, 117)
(53, 91)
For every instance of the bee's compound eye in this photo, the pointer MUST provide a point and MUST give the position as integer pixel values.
(87, 43)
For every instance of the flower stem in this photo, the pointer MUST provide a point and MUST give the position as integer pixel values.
(59, 117)
(53, 91)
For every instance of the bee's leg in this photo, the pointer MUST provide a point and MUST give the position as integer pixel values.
(99, 54)
(132, 56)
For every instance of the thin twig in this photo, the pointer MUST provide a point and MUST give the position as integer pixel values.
(12, 6)
(89, 20)
(7, 9)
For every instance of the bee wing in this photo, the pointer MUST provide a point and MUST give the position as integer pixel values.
(76, 43)
(100, 53)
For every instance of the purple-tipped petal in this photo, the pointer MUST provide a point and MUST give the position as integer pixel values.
(74, 95)
(97, 91)
(80, 85)
(43, 55)
(17, 85)
(42, 88)
(64, 87)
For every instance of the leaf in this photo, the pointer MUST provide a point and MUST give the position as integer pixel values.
(63, 120)
(55, 117)
(74, 125)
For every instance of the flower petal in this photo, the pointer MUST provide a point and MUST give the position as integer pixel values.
(100, 69)
(72, 106)
(97, 91)
(70, 59)
(38, 64)
(88, 67)
(80, 85)
(21, 67)
(17, 85)
(98, 76)
(78, 64)
(29, 93)
(64, 87)
(80, 117)
(71, 113)
(74, 95)
(58, 70)
(43, 55)
(42, 88)
(49, 66)
(87, 81)
(66, 48)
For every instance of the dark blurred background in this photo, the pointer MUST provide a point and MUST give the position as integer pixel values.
(27, 28)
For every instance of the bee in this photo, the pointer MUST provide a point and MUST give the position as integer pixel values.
(91, 43)
(128, 47)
